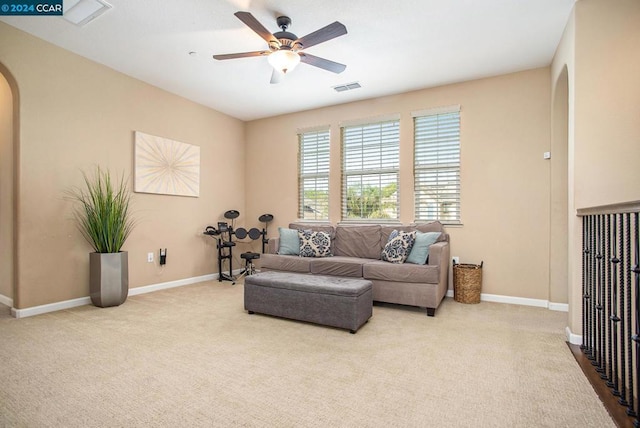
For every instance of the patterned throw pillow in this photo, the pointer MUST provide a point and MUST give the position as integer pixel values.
(398, 247)
(314, 244)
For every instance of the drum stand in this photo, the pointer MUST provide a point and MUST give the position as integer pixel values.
(249, 257)
(225, 247)
(225, 252)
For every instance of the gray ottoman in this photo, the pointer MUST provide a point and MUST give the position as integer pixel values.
(328, 300)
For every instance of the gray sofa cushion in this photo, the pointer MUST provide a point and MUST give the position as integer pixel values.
(358, 241)
(339, 266)
(285, 263)
(316, 227)
(433, 226)
(405, 272)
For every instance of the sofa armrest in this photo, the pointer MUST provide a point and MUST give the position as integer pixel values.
(437, 253)
(439, 256)
(274, 244)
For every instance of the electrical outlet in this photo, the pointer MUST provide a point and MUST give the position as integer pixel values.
(456, 260)
(149, 257)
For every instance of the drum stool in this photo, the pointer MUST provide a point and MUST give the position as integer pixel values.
(249, 268)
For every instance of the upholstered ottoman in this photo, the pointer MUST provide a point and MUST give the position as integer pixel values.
(328, 300)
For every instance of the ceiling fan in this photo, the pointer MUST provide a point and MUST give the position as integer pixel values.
(286, 49)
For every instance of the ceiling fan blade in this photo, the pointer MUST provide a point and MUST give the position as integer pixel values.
(316, 61)
(276, 77)
(241, 55)
(329, 32)
(251, 22)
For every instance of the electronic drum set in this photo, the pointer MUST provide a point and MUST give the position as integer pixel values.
(224, 235)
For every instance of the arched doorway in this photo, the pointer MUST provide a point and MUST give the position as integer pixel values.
(8, 155)
(559, 242)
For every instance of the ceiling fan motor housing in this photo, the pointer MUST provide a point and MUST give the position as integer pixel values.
(286, 39)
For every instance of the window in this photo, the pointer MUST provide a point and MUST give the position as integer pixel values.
(370, 164)
(437, 165)
(313, 179)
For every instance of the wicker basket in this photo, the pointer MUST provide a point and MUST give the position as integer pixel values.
(467, 283)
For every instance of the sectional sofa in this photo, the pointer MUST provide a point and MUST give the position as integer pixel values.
(356, 251)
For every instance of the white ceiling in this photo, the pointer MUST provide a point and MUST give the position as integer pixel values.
(391, 46)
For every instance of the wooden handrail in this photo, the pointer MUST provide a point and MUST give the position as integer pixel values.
(620, 208)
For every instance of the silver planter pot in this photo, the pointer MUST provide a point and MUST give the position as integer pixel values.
(109, 278)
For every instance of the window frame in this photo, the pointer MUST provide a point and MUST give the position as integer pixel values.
(374, 165)
(437, 158)
(319, 142)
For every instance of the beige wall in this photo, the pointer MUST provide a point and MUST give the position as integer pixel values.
(75, 114)
(607, 102)
(559, 210)
(600, 50)
(505, 129)
(6, 189)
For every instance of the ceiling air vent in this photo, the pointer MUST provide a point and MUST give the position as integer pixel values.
(347, 87)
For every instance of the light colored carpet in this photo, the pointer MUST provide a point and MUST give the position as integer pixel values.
(191, 356)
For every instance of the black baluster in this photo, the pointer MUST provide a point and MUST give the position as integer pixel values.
(585, 294)
(585, 289)
(636, 337)
(628, 272)
(606, 285)
(609, 375)
(600, 343)
(593, 295)
(613, 380)
(623, 337)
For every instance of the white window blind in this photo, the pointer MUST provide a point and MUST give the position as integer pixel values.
(437, 167)
(313, 179)
(370, 164)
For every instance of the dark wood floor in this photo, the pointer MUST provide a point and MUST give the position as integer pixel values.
(617, 411)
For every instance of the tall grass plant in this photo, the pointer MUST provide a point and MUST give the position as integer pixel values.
(102, 211)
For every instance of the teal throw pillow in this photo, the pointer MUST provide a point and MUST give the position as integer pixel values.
(289, 242)
(420, 249)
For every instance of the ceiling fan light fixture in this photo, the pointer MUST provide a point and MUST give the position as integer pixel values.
(284, 60)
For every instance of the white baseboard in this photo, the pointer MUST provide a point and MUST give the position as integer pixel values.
(514, 300)
(68, 304)
(7, 301)
(574, 339)
(51, 307)
(171, 284)
(560, 307)
(539, 303)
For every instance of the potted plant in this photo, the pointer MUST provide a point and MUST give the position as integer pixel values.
(104, 218)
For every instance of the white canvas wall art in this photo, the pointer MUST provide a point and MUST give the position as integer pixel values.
(166, 166)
